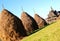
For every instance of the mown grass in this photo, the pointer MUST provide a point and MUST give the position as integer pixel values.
(49, 33)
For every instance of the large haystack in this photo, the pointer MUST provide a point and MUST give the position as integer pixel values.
(40, 21)
(11, 28)
(28, 22)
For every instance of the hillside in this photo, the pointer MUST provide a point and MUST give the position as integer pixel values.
(49, 33)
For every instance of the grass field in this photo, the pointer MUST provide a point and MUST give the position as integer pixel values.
(49, 33)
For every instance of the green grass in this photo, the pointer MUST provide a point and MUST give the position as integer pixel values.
(49, 33)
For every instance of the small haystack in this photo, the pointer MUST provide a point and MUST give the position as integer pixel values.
(40, 21)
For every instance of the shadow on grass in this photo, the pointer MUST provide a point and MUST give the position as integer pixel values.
(37, 30)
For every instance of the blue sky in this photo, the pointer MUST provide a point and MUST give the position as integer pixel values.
(41, 7)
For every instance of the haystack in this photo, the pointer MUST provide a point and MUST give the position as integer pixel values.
(28, 22)
(11, 28)
(52, 16)
(40, 21)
